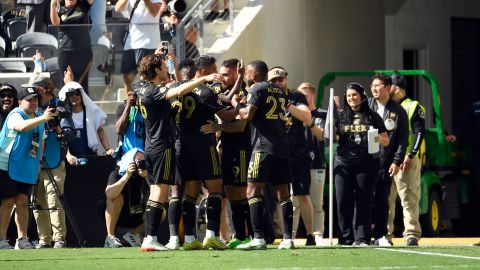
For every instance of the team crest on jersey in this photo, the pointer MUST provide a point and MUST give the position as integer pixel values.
(163, 89)
(421, 113)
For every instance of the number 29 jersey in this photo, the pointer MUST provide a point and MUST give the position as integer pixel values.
(269, 133)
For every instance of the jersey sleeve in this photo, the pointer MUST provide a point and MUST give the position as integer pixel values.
(378, 123)
(211, 101)
(300, 99)
(253, 97)
(160, 93)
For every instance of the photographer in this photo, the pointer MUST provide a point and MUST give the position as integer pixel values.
(126, 196)
(21, 148)
(52, 220)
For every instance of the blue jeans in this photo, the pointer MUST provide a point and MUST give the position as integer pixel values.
(97, 15)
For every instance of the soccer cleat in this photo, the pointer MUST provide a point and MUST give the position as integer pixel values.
(234, 243)
(152, 245)
(4, 244)
(59, 244)
(286, 244)
(213, 243)
(255, 244)
(310, 240)
(412, 242)
(173, 245)
(112, 242)
(42, 244)
(382, 242)
(195, 245)
(23, 243)
(133, 239)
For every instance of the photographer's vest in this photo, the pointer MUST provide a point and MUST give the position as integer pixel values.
(134, 136)
(409, 106)
(53, 148)
(24, 153)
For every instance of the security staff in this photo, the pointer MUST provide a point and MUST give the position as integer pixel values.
(391, 156)
(355, 168)
(407, 181)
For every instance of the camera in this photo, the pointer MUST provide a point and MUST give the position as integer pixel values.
(141, 164)
(62, 112)
(164, 48)
(177, 6)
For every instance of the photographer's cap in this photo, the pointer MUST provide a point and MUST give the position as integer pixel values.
(27, 92)
(277, 73)
(399, 81)
(40, 81)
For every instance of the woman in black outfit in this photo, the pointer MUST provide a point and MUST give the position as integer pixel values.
(355, 168)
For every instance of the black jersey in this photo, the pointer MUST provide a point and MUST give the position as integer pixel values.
(295, 129)
(197, 108)
(159, 125)
(353, 143)
(315, 147)
(269, 134)
(238, 140)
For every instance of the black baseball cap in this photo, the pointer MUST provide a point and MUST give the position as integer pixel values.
(399, 81)
(7, 87)
(27, 92)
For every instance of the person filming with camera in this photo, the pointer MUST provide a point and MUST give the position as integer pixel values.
(126, 197)
(50, 216)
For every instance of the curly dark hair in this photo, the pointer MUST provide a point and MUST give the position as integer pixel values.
(204, 61)
(230, 63)
(346, 116)
(147, 66)
(260, 68)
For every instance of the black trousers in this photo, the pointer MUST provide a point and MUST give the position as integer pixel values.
(380, 201)
(354, 183)
(78, 61)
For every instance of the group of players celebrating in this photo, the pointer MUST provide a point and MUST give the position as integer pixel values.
(182, 120)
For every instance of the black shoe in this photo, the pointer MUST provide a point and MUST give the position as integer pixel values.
(310, 240)
(412, 242)
(224, 16)
(212, 15)
(477, 244)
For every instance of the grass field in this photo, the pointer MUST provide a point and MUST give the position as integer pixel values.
(335, 258)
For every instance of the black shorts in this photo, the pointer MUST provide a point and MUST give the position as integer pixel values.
(265, 168)
(131, 59)
(199, 160)
(301, 177)
(235, 166)
(10, 188)
(161, 167)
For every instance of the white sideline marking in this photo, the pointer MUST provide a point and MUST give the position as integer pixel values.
(430, 253)
(363, 268)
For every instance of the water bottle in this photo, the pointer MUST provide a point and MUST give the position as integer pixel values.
(40, 65)
(81, 161)
(171, 66)
(373, 147)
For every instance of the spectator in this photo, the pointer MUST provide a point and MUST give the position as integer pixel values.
(407, 181)
(8, 101)
(355, 168)
(143, 35)
(391, 156)
(88, 122)
(316, 151)
(215, 15)
(74, 42)
(7, 5)
(37, 14)
(168, 33)
(21, 147)
(297, 114)
(126, 195)
(51, 220)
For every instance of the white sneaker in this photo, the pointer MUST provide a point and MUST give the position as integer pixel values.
(152, 245)
(59, 244)
(286, 244)
(23, 243)
(173, 245)
(319, 242)
(4, 244)
(133, 239)
(255, 244)
(112, 242)
(383, 242)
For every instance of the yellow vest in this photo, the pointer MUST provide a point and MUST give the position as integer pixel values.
(409, 106)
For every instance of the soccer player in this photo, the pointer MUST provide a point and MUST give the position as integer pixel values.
(160, 138)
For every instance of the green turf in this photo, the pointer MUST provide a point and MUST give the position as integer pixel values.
(323, 258)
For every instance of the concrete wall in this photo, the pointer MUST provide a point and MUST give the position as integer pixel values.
(312, 37)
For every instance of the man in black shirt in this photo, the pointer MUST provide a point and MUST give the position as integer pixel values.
(266, 110)
(297, 114)
(160, 137)
(391, 156)
(199, 158)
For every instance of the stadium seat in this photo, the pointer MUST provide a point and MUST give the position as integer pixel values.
(2, 47)
(101, 71)
(28, 43)
(11, 67)
(15, 27)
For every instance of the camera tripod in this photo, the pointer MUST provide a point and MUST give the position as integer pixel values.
(63, 202)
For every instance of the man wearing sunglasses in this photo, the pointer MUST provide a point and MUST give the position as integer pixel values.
(126, 196)
(8, 101)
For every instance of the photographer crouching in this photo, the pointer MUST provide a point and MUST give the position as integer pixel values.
(21, 147)
(49, 216)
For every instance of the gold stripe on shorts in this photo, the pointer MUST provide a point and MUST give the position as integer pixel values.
(168, 157)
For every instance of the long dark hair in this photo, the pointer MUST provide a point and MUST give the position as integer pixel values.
(347, 115)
